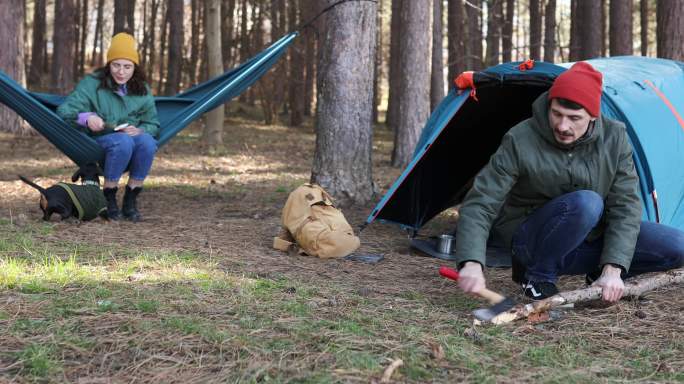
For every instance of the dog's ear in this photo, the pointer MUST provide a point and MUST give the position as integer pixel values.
(98, 170)
(77, 175)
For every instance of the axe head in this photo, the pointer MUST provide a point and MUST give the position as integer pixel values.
(487, 314)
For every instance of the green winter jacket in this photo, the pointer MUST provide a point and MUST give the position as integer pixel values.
(530, 168)
(139, 111)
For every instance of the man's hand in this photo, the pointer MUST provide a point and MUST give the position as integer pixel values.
(471, 279)
(95, 123)
(612, 284)
(132, 130)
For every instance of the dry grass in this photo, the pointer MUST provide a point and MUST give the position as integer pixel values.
(195, 293)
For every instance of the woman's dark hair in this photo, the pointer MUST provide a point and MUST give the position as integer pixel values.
(568, 104)
(136, 85)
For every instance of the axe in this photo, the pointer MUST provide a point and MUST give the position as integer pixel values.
(499, 303)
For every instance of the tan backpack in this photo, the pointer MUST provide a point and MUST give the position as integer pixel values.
(319, 229)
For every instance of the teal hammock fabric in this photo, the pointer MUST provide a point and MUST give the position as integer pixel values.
(175, 113)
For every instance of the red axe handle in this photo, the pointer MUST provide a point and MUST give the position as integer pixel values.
(491, 296)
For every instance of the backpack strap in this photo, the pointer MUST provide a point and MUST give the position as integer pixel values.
(286, 243)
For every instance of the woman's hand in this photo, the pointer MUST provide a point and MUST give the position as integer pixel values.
(95, 123)
(132, 130)
(612, 284)
(471, 279)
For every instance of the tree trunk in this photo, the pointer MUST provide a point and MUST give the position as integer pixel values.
(575, 30)
(633, 288)
(311, 58)
(163, 57)
(437, 73)
(96, 59)
(195, 39)
(377, 66)
(83, 38)
(643, 15)
(213, 133)
(175, 19)
(670, 29)
(244, 43)
(507, 32)
(342, 160)
(296, 78)
(151, 40)
(414, 94)
(12, 59)
(621, 28)
(120, 16)
(64, 44)
(456, 37)
(494, 24)
(227, 25)
(395, 62)
(39, 45)
(550, 31)
(474, 46)
(591, 29)
(535, 29)
(130, 16)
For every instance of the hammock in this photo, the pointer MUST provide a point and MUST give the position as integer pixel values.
(175, 113)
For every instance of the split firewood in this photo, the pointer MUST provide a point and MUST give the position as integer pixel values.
(633, 288)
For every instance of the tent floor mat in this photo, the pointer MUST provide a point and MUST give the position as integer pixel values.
(496, 257)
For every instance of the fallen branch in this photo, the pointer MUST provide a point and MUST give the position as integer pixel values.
(633, 288)
(390, 370)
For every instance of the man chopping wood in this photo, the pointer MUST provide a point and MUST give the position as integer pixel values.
(561, 191)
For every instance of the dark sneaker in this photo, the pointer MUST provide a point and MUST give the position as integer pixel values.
(540, 290)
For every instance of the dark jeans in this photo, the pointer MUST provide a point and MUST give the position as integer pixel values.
(551, 242)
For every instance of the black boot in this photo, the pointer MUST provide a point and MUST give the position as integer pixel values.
(112, 209)
(129, 209)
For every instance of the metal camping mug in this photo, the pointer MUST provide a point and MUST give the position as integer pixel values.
(444, 243)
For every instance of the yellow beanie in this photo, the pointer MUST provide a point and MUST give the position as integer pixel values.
(123, 47)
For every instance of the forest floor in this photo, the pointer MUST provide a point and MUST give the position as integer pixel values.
(196, 294)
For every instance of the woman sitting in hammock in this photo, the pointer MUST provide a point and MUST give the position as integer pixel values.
(115, 106)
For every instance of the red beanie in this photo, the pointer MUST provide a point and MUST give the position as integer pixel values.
(581, 84)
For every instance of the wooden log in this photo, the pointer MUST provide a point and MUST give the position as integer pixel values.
(633, 288)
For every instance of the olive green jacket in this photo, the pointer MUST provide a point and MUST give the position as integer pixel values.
(139, 111)
(530, 168)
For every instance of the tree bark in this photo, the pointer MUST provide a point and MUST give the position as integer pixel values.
(394, 65)
(120, 16)
(414, 94)
(437, 73)
(494, 24)
(342, 160)
(39, 45)
(575, 30)
(96, 59)
(591, 29)
(377, 66)
(456, 38)
(195, 39)
(621, 28)
(643, 16)
(64, 44)
(507, 32)
(296, 78)
(473, 10)
(213, 131)
(175, 21)
(227, 14)
(634, 288)
(311, 58)
(535, 29)
(670, 29)
(83, 38)
(12, 59)
(550, 31)
(164, 30)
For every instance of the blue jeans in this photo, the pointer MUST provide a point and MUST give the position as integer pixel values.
(123, 152)
(552, 241)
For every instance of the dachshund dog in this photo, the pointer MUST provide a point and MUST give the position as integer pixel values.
(83, 202)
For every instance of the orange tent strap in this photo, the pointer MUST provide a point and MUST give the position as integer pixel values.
(465, 80)
(527, 64)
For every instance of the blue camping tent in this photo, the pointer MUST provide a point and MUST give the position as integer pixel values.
(462, 133)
